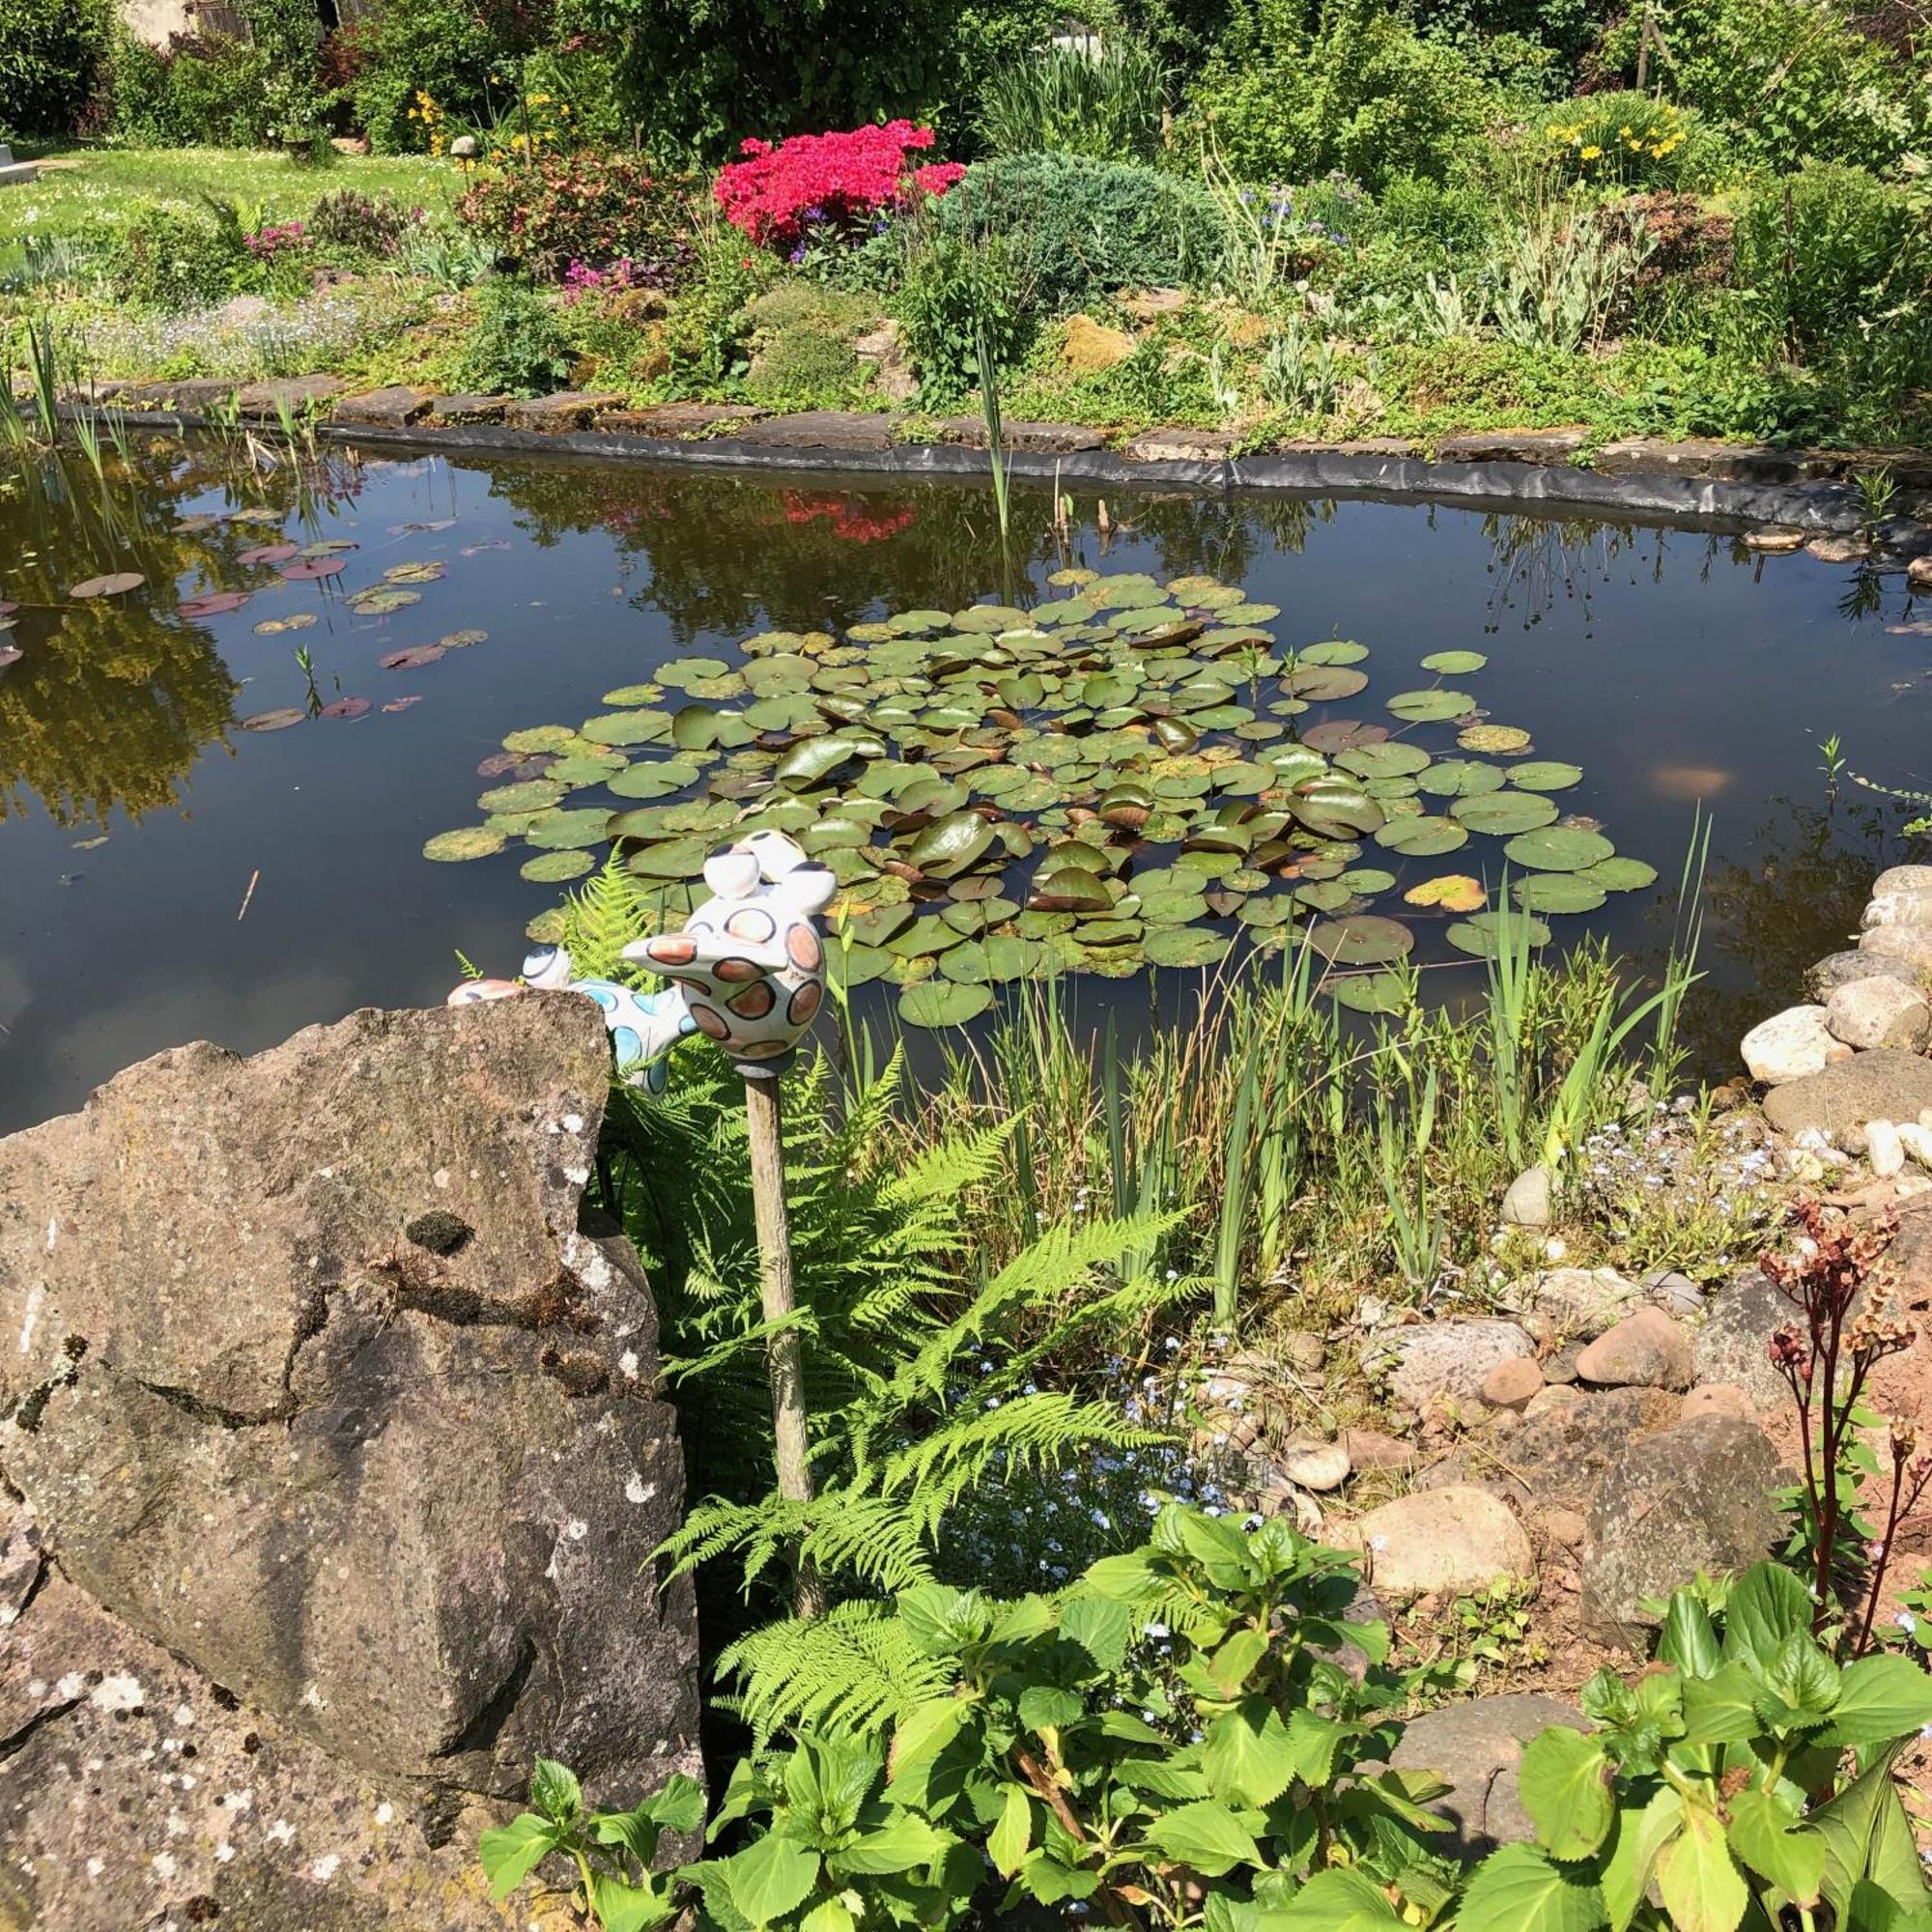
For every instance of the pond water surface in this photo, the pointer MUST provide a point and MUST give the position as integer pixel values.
(166, 874)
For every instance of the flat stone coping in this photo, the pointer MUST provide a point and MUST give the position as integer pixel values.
(1801, 495)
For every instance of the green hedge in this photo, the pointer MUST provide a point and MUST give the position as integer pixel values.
(51, 54)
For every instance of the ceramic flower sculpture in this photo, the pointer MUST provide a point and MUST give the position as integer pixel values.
(750, 961)
(747, 968)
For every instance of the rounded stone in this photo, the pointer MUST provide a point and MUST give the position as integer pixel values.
(1841, 969)
(1885, 1084)
(1884, 1149)
(1310, 1464)
(1789, 1045)
(1450, 1359)
(1453, 1540)
(1907, 946)
(1477, 1746)
(1902, 879)
(1898, 908)
(1646, 1350)
(1510, 1384)
(1526, 1204)
(1880, 1012)
(1719, 1399)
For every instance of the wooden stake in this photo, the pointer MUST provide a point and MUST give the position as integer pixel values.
(786, 1356)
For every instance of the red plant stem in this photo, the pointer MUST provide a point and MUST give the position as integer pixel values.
(1884, 1562)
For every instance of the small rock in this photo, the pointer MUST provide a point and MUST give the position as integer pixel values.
(1453, 1540)
(393, 408)
(1526, 1202)
(1905, 945)
(892, 373)
(1886, 1084)
(448, 411)
(1091, 346)
(1675, 1293)
(1919, 573)
(1451, 1358)
(1180, 445)
(1903, 879)
(1371, 1449)
(1313, 1465)
(1834, 548)
(1719, 1399)
(1510, 1384)
(1898, 909)
(1151, 304)
(1305, 1352)
(1775, 542)
(1733, 1345)
(1582, 1303)
(1646, 1350)
(1559, 1370)
(1477, 1746)
(1791, 1045)
(1884, 1149)
(1696, 1499)
(1880, 1011)
(1565, 1526)
(558, 415)
(1842, 969)
(1917, 1141)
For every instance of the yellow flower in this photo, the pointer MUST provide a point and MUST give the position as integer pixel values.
(1592, 151)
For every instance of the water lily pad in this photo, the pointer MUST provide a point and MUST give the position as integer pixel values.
(531, 795)
(1367, 880)
(462, 641)
(1492, 738)
(297, 621)
(278, 720)
(952, 844)
(628, 727)
(1370, 992)
(1557, 892)
(1422, 837)
(1461, 778)
(1544, 775)
(212, 604)
(1558, 848)
(1335, 651)
(560, 830)
(413, 659)
(312, 569)
(1185, 946)
(382, 603)
(1343, 734)
(1503, 813)
(1386, 761)
(1481, 937)
(1423, 707)
(1324, 684)
(347, 707)
(467, 842)
(1364, 939)
(1452, 892)
(1454, 663)
(1620, 874)
(275, 552)
(551, 867)
(943, 1003)
(116, 583)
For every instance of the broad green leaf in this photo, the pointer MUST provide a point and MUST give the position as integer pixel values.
(1773, 1840)
(1209, 1837)
(1246, 1756)
(1722, 1708)
(1565, 1782)
(771, 1877)
(899, 1841)
(1688, 1639)
(1517, 1889)
(1342, 1900)
(1231, 1665)
(1315, 1741)
(829, 1915)
(1048, 1707)
(555, 1792)
(622, 1906)
(1767, 1603)
(1637, 1838)
(510, 1853)
(1699, 1881)
(679, 1805)
(925, 1731)
(1008, 1841)
(1880, 1698)
(1050, 1882)
(1101, 1626)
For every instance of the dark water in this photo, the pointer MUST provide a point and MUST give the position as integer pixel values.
(135, 814)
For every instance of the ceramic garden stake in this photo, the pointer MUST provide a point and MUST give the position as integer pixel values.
(752, 967)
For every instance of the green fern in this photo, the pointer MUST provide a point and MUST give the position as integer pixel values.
(606, 914)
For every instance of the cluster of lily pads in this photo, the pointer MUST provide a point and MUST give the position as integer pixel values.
(1132, 773)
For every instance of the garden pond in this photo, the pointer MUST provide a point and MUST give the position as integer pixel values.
(282, 734)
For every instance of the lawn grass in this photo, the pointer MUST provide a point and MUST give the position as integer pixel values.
(78, 186)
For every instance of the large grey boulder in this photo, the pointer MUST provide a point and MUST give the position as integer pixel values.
(1448, 1359)
(1556, 1456)
(1697, 1497)
(1733, 1344)
(314, 1382)
(1886, 1084)
(1478, 1747)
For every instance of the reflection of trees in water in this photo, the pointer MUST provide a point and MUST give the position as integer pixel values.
(729, 555)
(1798, 897)
(113, 699)
(1538, 562)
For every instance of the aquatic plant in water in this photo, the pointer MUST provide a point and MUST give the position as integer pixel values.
(1130, 774)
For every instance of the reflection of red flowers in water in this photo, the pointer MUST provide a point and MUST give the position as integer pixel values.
(849, 519)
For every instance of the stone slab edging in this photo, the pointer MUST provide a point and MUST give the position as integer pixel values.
(1809, 507)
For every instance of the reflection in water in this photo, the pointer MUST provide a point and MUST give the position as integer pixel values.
(112, 699)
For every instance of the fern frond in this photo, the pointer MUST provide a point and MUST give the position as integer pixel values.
(854, 1668)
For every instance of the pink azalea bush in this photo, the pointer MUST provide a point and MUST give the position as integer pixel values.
(780, 195)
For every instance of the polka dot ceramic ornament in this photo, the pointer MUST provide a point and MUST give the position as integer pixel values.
(643, 1026)
(750, 961)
